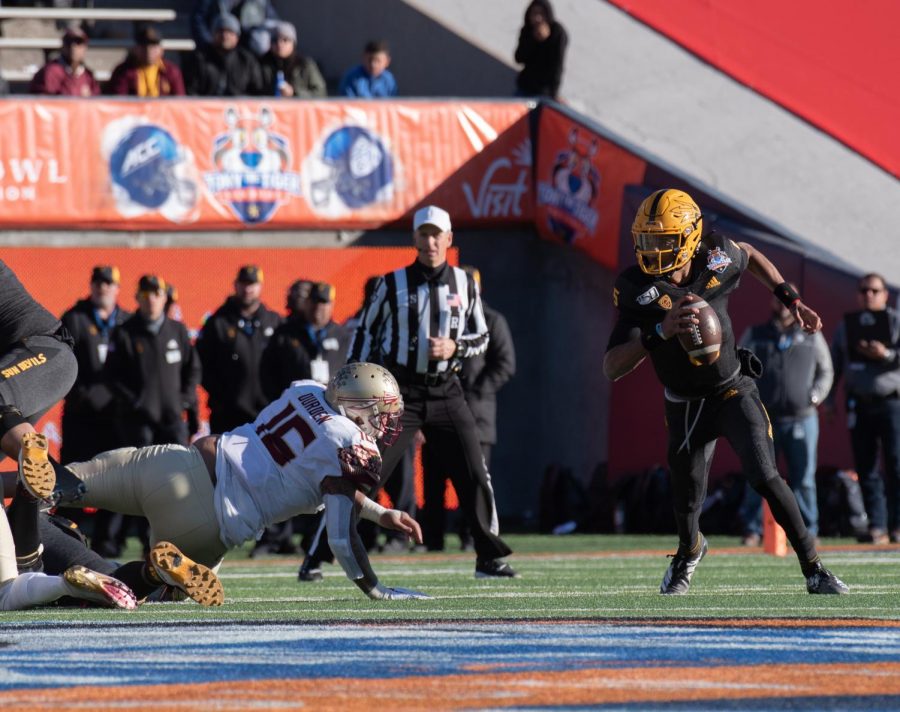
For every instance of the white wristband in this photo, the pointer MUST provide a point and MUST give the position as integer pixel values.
(371, 510)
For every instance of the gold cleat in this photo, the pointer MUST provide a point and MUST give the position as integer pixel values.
(36, 472)
(93, 586)
(198, 581)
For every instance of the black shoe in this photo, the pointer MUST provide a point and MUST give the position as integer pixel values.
(823, 581)
(69, 489)
(310, 570)
(678, 576)
(494, 568)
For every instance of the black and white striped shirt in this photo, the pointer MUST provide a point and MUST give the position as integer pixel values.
(414, 303)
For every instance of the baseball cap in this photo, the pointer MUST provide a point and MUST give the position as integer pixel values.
(74, 34)
(432, 215)
(227, 22)
(322, 292)
(105, 273)
(250, 274)
(151, 283)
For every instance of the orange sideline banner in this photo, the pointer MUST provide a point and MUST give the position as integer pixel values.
(214, 164)
(579, 181)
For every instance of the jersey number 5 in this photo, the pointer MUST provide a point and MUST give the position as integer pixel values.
(272, 434)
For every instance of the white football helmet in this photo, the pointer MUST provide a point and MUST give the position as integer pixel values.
(369, 395)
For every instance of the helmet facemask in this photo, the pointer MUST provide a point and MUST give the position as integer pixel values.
(661, 252)
(377, 424)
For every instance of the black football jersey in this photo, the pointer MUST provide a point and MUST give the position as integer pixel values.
(643, 300)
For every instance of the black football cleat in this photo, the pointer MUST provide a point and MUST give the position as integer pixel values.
(821, 580)
(310, 570)
(678, 576)
(494, 568)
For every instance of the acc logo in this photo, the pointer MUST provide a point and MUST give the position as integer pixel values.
(252, 175)
(149, 170)
(717, 260)
(572, 190)
(648, 296)
(349, 170)
(665, 302)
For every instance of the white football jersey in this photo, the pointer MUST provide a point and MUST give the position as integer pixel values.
(270, 470)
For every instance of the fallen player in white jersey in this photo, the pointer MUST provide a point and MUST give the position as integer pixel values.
(310, 448)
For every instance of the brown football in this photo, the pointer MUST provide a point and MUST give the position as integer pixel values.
(704, 340)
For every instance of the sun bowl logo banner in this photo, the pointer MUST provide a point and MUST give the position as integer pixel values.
(350, 169)
(571, 191)
(251, 175)
(149, 170)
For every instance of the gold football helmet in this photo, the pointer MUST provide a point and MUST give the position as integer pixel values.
(369, 395)
(666, 231)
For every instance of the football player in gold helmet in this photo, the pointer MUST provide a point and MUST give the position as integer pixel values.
(679, 262)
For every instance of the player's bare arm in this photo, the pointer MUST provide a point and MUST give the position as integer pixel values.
(766, 272)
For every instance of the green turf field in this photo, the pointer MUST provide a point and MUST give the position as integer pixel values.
(577, 576)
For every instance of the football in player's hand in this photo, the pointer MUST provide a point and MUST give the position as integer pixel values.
(704, 340)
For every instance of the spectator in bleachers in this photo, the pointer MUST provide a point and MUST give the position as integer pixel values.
(256, 17)
(372, 79)
(223, 68)
(67, 74)
(145, 72)
(541, 49)
(287, 72)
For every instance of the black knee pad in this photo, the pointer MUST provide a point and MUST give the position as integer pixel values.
(10, 417)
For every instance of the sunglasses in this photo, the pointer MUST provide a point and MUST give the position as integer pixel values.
(870, 290)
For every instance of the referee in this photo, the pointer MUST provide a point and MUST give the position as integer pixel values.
(422, 321)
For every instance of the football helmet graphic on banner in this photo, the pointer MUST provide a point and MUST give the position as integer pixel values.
(666, 231)
(369, 395)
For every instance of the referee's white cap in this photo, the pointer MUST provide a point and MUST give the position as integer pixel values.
(432, 215)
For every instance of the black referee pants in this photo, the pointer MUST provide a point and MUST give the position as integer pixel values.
(443, 416)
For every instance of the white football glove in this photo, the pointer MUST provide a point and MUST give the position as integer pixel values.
(386, 593)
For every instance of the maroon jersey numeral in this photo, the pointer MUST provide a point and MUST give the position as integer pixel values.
(272, 434)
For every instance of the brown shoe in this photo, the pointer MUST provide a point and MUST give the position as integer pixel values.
(878, 536)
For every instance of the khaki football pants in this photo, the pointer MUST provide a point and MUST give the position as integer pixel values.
(167, 484)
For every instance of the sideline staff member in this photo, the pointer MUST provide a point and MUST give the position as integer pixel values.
(424, 356)
(864, 351)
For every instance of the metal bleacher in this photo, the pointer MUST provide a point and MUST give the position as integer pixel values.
(29, 35)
